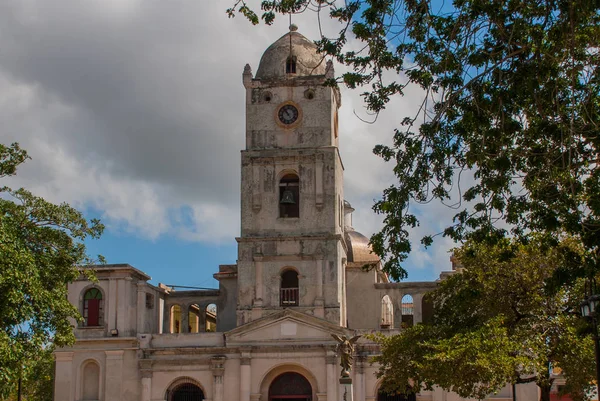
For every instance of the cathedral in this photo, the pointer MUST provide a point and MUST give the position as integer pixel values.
(266, 334)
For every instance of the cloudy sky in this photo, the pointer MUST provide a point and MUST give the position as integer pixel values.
(133, 111)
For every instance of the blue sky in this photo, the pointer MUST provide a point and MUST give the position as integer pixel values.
(133, 111)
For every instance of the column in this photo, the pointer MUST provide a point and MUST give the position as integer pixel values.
(141, 307)
(112, 299)
(217, 365)
(125, 325)
(245, 375)
(418, 308)
(359, 389)
(185, 318)
(332, 382)
(319, 300)
(319, 181)
(146, 372)
(258, 286)
(113, 374)
(63, 387)
(256, 187)
(167, 318)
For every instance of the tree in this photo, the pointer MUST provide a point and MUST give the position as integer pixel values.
(496, 322)
(38, 379)
(512, 101)
(40, 246)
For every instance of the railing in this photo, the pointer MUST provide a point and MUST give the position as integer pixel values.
(289, 297)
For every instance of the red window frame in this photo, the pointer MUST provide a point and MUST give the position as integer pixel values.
(93, 306)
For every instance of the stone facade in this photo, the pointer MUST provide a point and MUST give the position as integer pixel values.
(299, 276)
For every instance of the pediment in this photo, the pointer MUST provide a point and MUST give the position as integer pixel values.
(287, 326)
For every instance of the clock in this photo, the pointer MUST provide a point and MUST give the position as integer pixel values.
(288, 114)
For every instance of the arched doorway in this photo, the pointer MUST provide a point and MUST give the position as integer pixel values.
(290, 386)
(186, 392)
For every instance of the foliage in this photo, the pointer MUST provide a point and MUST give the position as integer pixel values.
(511, 105)
(40, 246)
(496, 322)
(38, 378)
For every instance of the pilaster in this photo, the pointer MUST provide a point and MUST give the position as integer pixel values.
(63, 384)
(113, 374)
(245, 374)
(217, 366)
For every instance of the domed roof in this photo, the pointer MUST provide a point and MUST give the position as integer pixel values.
(308, 61)
(359, 250)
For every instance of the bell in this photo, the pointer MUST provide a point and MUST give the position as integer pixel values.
(287, 198)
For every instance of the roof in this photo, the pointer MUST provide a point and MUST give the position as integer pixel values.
(359, 250)
(308, 61)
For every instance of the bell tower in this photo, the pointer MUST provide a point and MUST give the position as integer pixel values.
(291, 252)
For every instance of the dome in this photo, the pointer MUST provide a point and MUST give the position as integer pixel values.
(359, 250)
(308, 61)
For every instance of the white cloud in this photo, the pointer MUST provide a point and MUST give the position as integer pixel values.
(136, 109)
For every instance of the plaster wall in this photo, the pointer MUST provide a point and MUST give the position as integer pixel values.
(119, 294)
(319, 197)
(315, 124)
(118, 378)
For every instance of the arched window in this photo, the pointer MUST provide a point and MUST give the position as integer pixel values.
(289, 288)
(407, 310)
(90, 381)
(427, 309)
(175, 319)
(382, 396)
(211, 318)
(387, 312)
(290, 386)
(93, 308)
(289, 196)
(290, 65)
(185, 392)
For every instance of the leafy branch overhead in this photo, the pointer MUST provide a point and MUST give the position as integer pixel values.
(507, 132)
(41, 245)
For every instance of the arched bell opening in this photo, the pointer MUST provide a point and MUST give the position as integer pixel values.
(289, 196)
(289, 293)
(290, 386)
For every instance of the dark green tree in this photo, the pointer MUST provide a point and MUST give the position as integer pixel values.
(37, 378)
(511, 101)
(497, 322)
(40, 246)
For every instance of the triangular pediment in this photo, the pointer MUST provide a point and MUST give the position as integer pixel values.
(287, 326)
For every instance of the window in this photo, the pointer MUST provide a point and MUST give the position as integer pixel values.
(289, 288)
(175, 319)
(407, 310)
(289, 196)
(211, 318)
(290, 65)
(149, 301)
(387, 313)
(93, 308)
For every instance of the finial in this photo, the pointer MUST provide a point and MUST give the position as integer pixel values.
(329, 73)
(293, 27)
(247, 76)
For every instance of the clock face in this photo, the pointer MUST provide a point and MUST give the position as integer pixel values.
(288, 114)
